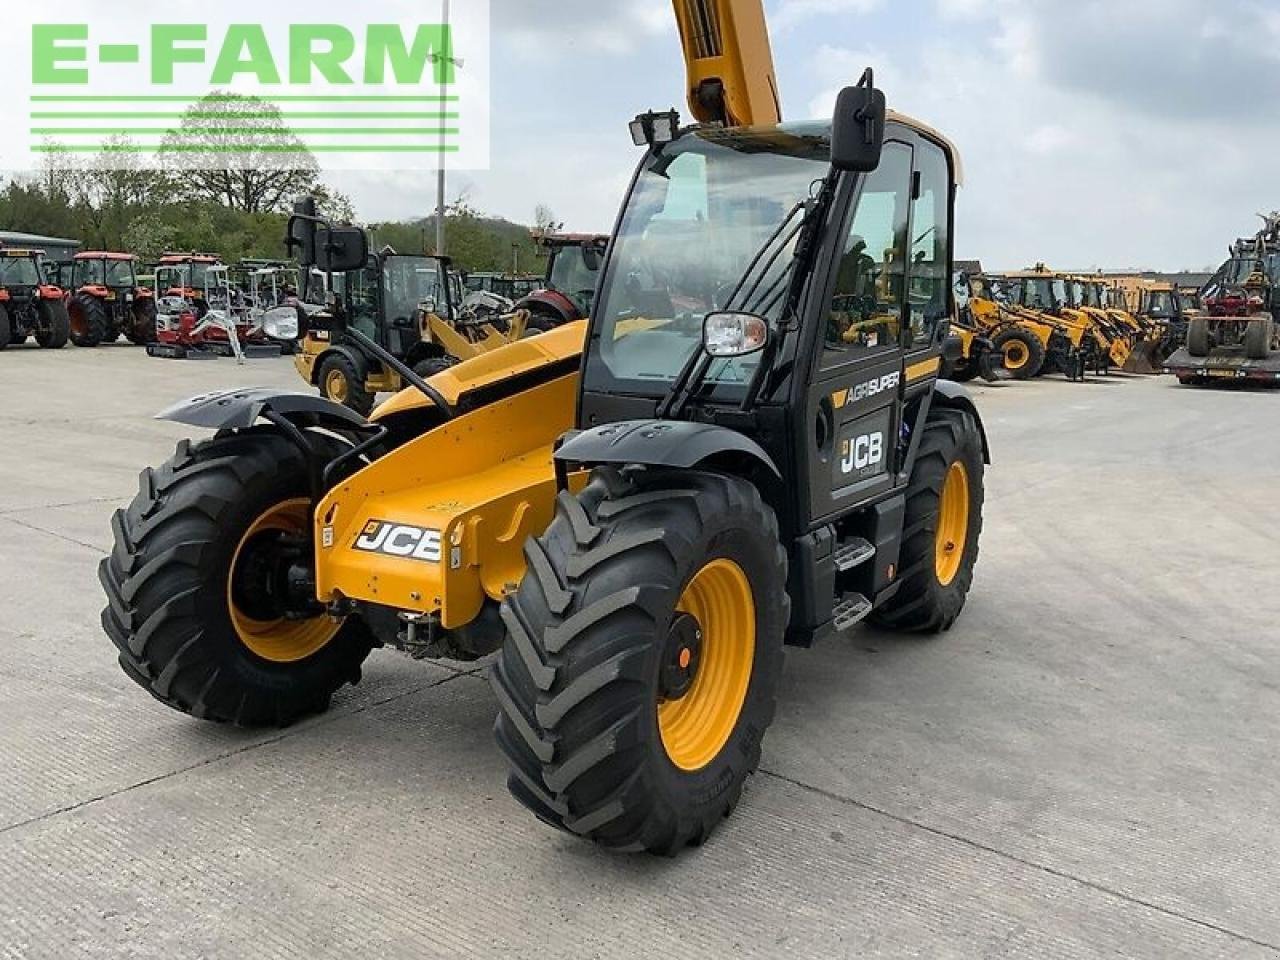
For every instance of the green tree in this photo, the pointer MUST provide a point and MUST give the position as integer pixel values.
(273, 166)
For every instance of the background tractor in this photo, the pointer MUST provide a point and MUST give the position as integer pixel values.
(28, 305)
(406, 305)
(106, 300)
(1236, 335)
(187, 277)
(573, 269)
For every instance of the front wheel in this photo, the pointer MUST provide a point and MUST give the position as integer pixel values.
(1257, 338)
(942, 526)
(202, 602)
(1198, 340)
(142, 322)
(343, 380)
(642, 657)
(53, 326)
(1023, 352)
(89, 321)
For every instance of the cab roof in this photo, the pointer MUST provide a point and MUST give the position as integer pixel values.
(190, 258)
(104, 255)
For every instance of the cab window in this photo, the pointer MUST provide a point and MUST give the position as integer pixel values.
(867, 305)
(930, 244)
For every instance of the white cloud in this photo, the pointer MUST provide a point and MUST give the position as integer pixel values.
(792, 12)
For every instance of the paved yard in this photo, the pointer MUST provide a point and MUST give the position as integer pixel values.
(1086, 766)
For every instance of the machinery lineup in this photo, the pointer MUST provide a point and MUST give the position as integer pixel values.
(734, 425)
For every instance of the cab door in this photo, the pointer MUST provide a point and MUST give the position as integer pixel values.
(849, 436)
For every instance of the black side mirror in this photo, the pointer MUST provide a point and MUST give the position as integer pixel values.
(341, 249)
(302, 232)
(857, 130)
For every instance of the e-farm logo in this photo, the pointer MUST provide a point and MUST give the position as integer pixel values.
(227, 92)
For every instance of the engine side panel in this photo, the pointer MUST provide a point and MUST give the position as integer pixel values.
(439, 525)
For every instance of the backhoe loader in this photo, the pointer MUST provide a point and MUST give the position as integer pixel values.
(1031, 342)
(741, 458)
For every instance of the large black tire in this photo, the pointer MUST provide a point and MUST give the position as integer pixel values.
(142, 322)
(1023, 353)
(1198, 337)
(167, 578)
(90, 321)
(924, 603)
(589, 641)
(352, 392)
(6, 329)
(53, 326)
(1257, 338)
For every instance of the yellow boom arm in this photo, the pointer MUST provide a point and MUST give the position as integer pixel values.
(729, 62)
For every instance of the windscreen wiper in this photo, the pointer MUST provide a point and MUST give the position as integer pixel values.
(694, 372)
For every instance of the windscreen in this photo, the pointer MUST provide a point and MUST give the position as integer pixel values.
(18, 272)
(699, 213)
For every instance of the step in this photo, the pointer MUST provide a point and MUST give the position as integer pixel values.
(850, 612)
(853, 553)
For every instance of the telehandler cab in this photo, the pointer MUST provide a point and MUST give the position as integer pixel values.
(636, 530)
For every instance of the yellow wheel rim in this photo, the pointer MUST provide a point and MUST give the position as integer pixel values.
(696, 727)
(281, 640)
(335, 385)
(953, 524)
(1016, 355)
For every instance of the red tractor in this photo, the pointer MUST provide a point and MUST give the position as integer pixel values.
(28, 305)
(105, 300)
(573, 267)
(191, 276)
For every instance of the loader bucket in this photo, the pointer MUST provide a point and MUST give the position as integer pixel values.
(1145, 358)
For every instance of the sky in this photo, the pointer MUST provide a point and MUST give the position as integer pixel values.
(1114, 133)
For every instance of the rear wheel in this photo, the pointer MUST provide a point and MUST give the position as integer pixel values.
(53, 326)
(1198, 337)
(642, 657)
(89, 319)
(6, 330)
(1023, 353)
(198, 584)
(942, 527)
(142, 322)
(342, 380)
(1257, 338)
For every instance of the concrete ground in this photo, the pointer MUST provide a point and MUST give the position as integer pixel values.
(1086, 766)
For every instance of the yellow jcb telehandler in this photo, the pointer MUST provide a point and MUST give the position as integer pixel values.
(635, 530)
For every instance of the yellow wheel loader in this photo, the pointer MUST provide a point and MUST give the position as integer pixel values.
(407, 305)
(636, 530)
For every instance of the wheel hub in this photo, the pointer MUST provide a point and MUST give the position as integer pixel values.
(681, 658)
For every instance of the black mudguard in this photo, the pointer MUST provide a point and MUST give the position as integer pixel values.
(239, 409)
(658, 443)
(951, 394)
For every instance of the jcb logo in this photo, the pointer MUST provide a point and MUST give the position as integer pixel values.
(862, 453)
(400, 540)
